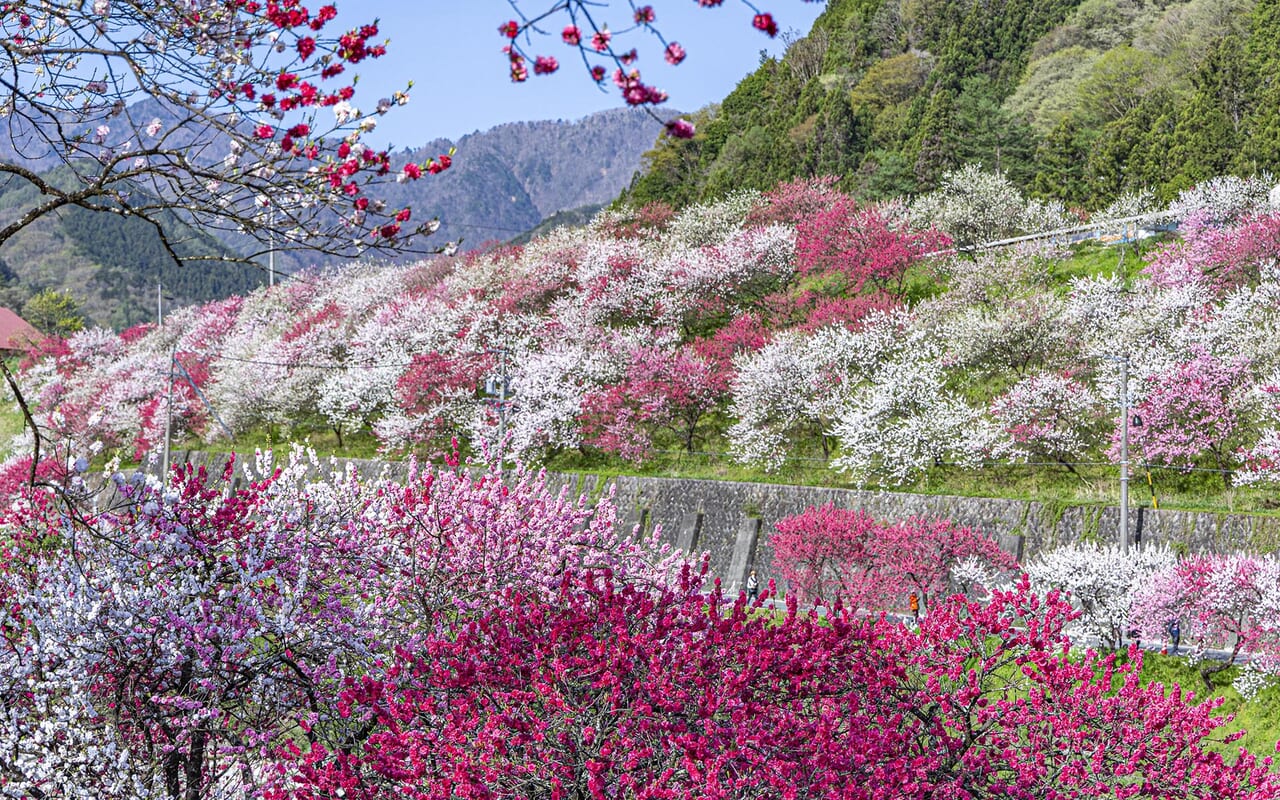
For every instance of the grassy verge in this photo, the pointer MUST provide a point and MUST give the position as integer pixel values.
(1088, 486)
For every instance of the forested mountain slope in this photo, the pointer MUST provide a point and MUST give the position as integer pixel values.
(1080, 101)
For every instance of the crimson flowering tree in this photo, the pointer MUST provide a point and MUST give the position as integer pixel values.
(835, 554)
(233, 115)
(851, 251)
(606, 690)
(587, 34)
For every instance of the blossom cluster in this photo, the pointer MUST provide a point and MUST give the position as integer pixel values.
(588, 35)
(302, 631)
(251, 125)
(1222, 602)
(771, 327)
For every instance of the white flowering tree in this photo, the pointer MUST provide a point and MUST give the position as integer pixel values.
(1048, 417)
(1102, 581)
(975, 206)
(1227, 198)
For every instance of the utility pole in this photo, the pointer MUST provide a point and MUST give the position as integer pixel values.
(502, 400)
(1124, 454)
(159, 304)
(500, 388)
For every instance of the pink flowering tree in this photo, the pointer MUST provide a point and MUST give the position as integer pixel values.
(435, 387)
(840, 555)
(790, 203)
(1223, 602)
(663, 390)
(1224, 256)
(607, 690)
(1195, 409)
(847, 251)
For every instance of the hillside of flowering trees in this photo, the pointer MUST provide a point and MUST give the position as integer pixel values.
(793, 324)
(260, 633)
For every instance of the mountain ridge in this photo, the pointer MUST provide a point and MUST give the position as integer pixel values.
(503, 182)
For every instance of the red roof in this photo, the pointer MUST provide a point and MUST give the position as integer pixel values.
(16, 333)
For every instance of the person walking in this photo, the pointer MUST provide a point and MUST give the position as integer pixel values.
(1175, 634)
(913, 603)
(753, 587)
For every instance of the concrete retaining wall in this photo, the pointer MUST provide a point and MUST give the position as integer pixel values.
(732, 520)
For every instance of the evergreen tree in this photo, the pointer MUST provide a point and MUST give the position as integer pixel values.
(1207, 134)
(1260, 146)
(937, 146)
(1128, 153)
(992, 136)
(53, 312)
(839, 137)
(1060, 162)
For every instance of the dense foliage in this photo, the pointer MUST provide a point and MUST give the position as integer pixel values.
(1079, 100)
(303, 637)
(791, 325)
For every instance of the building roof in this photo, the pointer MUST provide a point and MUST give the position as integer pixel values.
(16, 333)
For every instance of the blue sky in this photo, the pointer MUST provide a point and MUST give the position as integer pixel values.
(451, 51)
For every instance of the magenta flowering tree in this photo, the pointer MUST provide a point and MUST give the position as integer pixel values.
(857, 257)
(232, 115)
(831, 554)
(1195, 409)
(605, 690)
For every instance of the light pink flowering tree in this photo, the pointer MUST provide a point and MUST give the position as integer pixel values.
(1195, 409)
(1225, 255)
(1219, 601)
(1049, 417)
